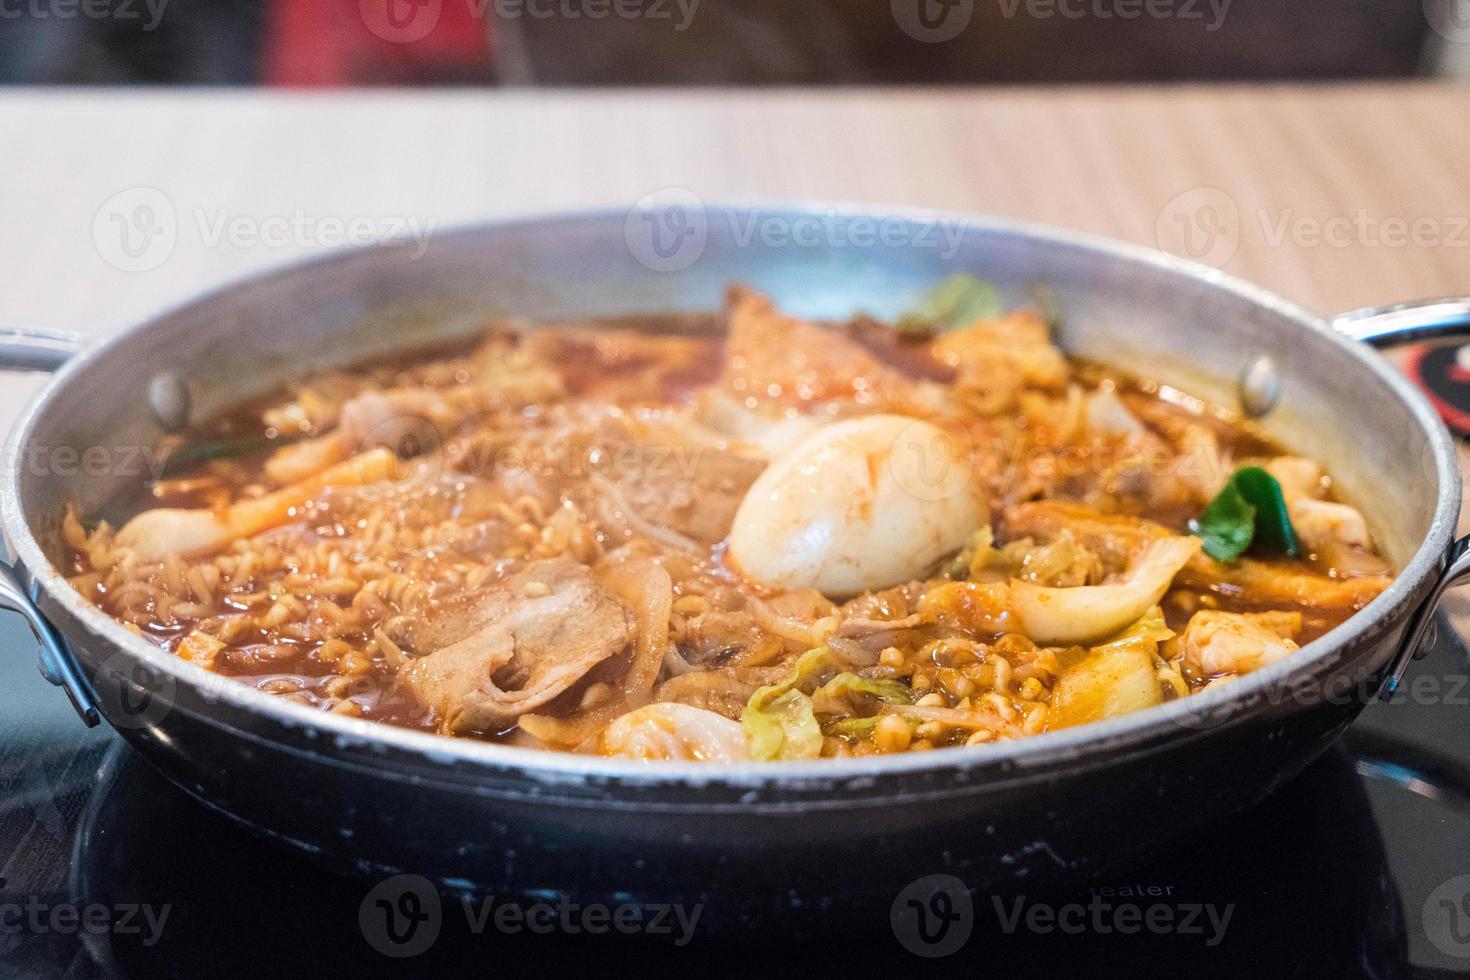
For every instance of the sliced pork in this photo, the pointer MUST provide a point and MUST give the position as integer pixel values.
(501, 652)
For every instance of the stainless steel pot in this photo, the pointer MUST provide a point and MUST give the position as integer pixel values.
(771, 841)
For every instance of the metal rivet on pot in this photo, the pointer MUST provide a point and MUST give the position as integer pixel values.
(168, 400)
(1260, 386)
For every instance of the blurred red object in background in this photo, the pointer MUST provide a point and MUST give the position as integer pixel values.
(331, 43)
(1442, 371)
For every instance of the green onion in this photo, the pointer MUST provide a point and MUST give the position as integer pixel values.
(854, 727)
(191, 454)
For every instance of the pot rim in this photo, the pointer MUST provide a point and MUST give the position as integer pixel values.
(1183, 717)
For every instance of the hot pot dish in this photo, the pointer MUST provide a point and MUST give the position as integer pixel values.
(765, 538)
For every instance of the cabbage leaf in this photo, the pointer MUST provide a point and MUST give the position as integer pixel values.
(779, 721)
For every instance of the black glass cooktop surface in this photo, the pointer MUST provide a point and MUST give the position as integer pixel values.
(1359, 867)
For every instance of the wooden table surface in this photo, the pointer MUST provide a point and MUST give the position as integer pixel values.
(1380, 171)
(1337, 197)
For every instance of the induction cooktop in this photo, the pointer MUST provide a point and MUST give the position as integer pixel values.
(1360, 867)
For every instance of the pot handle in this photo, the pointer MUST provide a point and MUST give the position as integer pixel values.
(29, 349)
(56, 661)
(24, 349)
(1389, 326)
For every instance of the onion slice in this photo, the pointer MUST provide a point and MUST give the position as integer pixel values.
(1088, 613)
